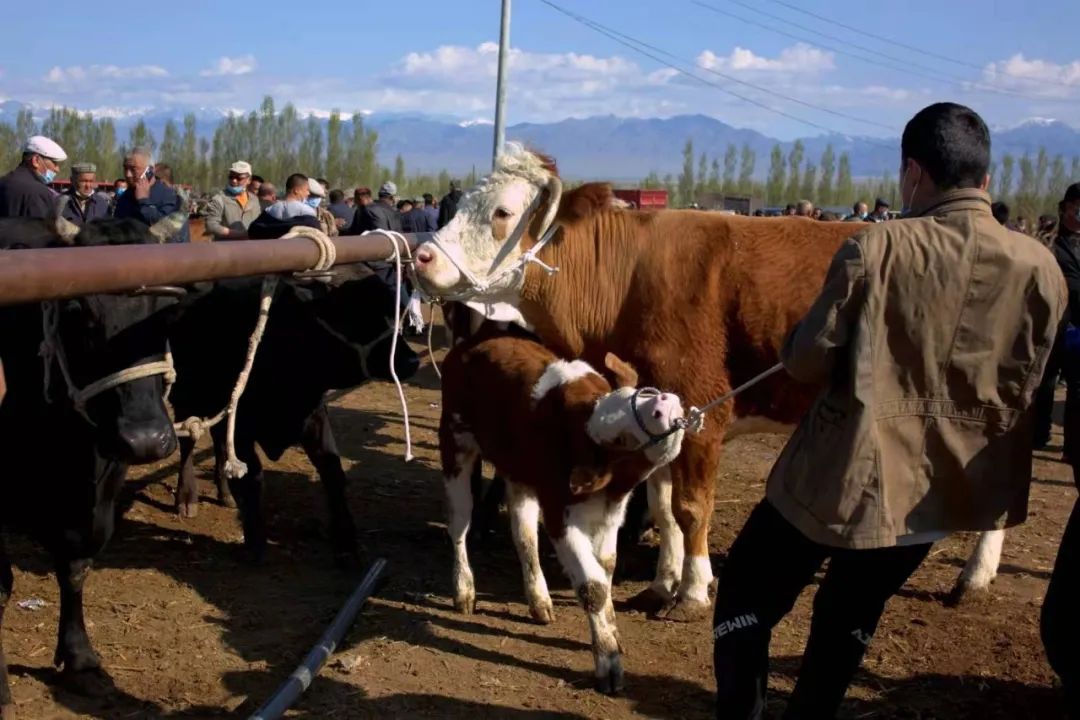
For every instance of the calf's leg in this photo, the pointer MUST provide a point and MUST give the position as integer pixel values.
(524, 525)
(248, 492)
(981, 567)
(693, 496)
(7, 583)
(187, 487)
(575, 548)
(73, 649)
(459, 457)
(318, 442)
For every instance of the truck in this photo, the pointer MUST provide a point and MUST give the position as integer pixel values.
(643, 198)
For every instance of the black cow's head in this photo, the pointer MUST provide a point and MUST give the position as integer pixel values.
(361, 308)
(93, 338)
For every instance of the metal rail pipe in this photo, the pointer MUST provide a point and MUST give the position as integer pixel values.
(56, 273)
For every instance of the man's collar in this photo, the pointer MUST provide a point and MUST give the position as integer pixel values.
(953, 200)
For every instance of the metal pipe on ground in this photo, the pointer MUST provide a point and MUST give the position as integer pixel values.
(300, 680)
(57, 273)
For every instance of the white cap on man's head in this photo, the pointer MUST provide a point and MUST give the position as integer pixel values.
(240, 168)
(316, 188)
(43, 146)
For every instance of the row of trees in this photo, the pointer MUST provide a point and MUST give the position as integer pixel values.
(1031, 186)
(276, 143)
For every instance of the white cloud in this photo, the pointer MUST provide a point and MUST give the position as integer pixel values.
(103, 72)
(243, 65)
(1034, 76)
(799, 59)
(464, 64)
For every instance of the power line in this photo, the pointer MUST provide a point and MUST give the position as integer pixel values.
(637, 46)
(905, 46)
(832, 48)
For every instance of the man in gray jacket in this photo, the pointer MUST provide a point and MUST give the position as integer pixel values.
(232, 211)
(928, 341)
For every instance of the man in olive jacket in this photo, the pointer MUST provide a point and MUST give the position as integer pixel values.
(929, 339)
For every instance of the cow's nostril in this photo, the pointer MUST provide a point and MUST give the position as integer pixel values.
(657, 414)
(424, 257)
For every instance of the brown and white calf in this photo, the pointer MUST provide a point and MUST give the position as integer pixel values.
(571, 447)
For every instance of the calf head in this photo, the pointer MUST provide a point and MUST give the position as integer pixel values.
(635, 430)
(496, 222)
(100, 337)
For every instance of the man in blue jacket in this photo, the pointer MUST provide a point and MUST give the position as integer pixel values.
(85, 203)
(147, 199)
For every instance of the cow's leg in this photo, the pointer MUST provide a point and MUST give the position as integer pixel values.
(693, 494)
(7, 582)
(981, 567)
(224, 493)
(669, 566)
(458, 462)
(318, 442)
(524, 525)
(187, 487)
(605, 547)
(575, 549)
(248, 493)
(73, 649)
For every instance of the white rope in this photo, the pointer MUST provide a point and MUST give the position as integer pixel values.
(195, 427)
(398, 242)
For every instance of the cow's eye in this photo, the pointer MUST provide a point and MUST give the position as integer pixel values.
(502, 213)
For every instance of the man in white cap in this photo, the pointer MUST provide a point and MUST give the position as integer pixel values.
(25, 192)
(230, 213)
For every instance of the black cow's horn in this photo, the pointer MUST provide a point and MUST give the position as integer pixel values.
(166, 227)
(66, 229)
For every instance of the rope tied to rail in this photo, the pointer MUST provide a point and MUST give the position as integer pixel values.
(195, 427)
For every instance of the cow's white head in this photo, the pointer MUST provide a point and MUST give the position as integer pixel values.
(479, 255)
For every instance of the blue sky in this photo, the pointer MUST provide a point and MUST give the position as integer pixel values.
(1020, 60)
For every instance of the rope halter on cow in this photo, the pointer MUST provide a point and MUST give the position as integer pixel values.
(495, 276)
(52, 350)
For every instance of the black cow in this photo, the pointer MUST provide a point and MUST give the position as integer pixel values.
(317, 338)
(65, 461)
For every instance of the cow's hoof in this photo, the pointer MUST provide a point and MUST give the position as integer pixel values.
(188, 510)
(685, 610)
(961, 591)
(93, 682)
(7, 712)
(648, 601)
(465, 604)
(609, 675)
(226, 500)
(543, 612)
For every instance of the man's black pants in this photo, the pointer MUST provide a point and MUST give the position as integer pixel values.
(1061, 614)
(1059, 363)
(769, 565)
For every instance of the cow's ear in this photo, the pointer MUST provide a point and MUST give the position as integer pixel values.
(586, 479)
(625, 374)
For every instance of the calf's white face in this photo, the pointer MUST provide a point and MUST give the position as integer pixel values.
(486, 233)
(613, 423)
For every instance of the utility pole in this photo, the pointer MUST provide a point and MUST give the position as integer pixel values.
(500, 88)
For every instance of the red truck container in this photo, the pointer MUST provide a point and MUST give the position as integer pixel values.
(643, 199)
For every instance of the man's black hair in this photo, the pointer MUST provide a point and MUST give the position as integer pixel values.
(294, 181)
(951, 143)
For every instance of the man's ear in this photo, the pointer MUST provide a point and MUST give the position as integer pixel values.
(624, 372)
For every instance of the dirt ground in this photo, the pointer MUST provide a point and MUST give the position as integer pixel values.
(187, 630)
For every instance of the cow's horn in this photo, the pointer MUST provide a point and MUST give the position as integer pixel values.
(66, 229)
(554, 188)
(166, 227)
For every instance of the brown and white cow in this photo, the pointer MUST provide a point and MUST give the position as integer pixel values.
(571, 449)
(698, 302)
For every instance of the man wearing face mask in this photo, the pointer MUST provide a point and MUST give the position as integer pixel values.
(84, 202)
(25, 192)
(316, 196)
(232, 211)
(927, 341)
